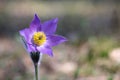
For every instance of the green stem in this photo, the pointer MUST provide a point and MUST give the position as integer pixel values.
(36, 72)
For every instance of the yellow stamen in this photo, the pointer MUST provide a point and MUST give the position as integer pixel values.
(39, 38)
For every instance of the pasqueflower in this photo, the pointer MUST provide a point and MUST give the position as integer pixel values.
(41, 37)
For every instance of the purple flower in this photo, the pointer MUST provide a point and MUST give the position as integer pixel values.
(41, 37)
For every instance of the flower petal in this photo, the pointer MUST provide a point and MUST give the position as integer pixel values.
(45, 50)
(27, 34)
(30, 48)
(35, 24)
(49, 27)
(54, 40)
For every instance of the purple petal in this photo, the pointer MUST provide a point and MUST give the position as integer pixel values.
(49, 27)
(54, 40)
(27, 34)
(27, 40)
(45, 50)
(30, 48)
(35, 24)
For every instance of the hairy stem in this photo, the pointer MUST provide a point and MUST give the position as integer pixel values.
(36, 72)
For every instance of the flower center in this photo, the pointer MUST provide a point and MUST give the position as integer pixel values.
(39, 38)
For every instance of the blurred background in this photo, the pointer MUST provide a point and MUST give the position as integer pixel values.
(91, 26)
